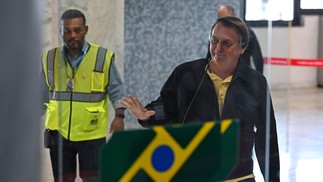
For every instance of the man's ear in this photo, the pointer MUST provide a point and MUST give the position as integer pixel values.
(61, 31)
(86, 29)
(242, 51)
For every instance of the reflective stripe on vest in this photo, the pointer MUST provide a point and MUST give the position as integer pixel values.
(78, 97)
(100, 59)
(99, 64)
(50, 67)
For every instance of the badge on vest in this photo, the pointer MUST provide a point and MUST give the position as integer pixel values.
(92, 123)
(93, 118)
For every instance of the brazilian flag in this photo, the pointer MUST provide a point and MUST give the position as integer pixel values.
(194, 152)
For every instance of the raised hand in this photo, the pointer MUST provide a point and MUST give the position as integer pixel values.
(135, 107)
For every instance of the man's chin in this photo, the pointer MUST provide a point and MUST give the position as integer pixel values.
(218, 58)
(73, 47)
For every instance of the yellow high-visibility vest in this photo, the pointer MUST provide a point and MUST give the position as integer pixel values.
(80, 113)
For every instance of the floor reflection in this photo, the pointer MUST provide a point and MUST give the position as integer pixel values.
(300, 130)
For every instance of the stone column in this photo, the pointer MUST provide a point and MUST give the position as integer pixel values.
(20, 106)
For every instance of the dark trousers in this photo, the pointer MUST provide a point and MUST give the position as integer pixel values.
(63, 156)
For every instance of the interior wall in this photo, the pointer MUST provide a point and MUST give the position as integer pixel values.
(291, 42)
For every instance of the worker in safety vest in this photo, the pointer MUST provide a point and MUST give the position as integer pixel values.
(78, 77)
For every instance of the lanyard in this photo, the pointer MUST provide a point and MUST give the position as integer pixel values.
(70, 79)
(78, 59)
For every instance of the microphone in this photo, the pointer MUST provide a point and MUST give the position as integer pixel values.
(196, 92)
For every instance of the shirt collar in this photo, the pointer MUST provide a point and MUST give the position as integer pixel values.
(241, 71)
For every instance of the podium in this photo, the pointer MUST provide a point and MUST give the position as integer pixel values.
(194, 152)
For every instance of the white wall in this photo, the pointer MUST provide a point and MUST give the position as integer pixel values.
(291, 42)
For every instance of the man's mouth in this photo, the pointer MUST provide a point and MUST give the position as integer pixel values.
(73, 42)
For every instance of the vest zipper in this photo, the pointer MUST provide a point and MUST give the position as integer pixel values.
(71, 109)
(70, 117)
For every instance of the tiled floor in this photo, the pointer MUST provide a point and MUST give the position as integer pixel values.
(300, 124)
(299, 115)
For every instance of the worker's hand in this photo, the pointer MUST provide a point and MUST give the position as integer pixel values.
(135, 108)
(117, 125)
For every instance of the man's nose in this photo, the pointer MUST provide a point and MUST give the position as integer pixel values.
(73, 34)
(218, 46)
